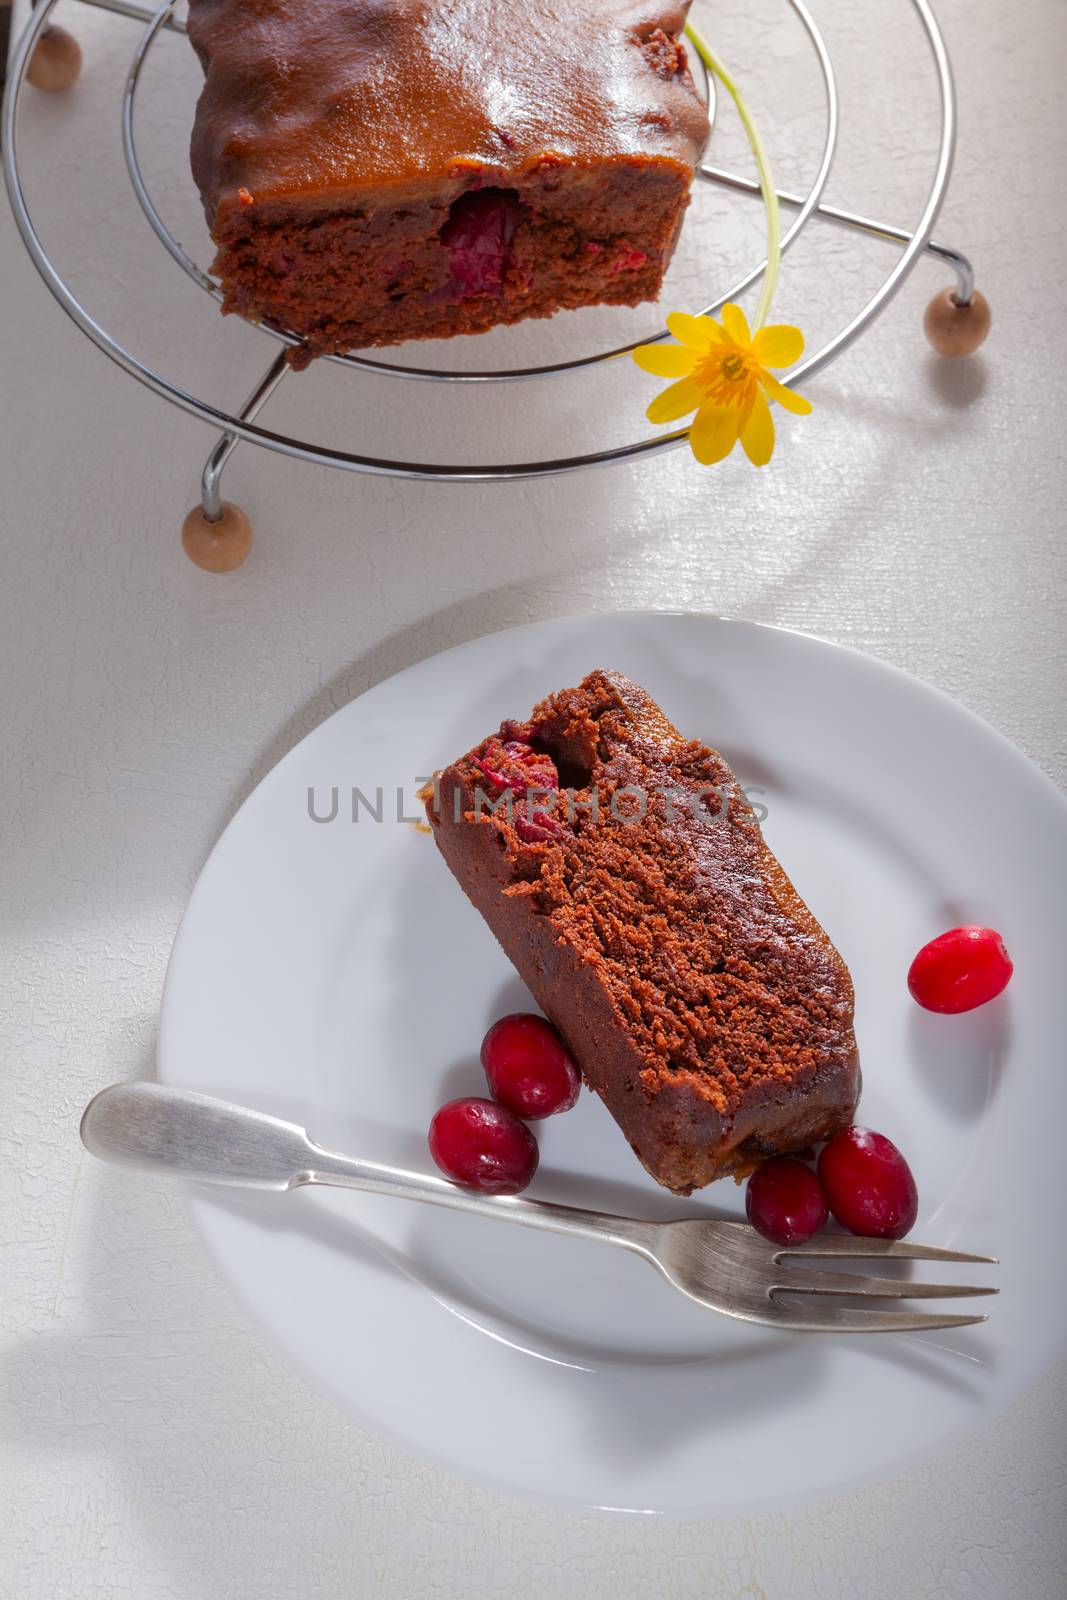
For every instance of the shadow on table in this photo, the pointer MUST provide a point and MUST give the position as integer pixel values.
(165, 1387)
(168, 1387)
(958, 383)
(471, 618)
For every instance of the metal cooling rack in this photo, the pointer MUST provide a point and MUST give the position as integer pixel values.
(914, 242)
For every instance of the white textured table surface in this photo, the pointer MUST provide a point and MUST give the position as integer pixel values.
(150, 1444)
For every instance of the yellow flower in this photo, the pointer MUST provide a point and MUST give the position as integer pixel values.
(722, 376)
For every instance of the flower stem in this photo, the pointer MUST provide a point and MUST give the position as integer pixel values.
(763, 168)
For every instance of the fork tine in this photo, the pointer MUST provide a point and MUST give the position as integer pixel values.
(842, 1319)
(854, 1283)
(847, 1244)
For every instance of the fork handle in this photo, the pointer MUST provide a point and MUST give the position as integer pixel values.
(349, 1172)
(178, 1133)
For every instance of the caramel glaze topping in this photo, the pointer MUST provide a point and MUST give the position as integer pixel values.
(313, 100)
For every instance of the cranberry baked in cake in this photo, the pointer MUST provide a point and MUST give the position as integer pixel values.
(380, 170)
(625, 875)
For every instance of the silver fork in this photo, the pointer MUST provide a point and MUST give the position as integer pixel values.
(726, 1266)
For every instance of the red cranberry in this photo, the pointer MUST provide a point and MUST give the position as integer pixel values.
(483, 1146)
(514, 764)
(869, 1184)
(477, 236)
(785, 1201)
(960, 969)
(537, 827)
(528, 1068)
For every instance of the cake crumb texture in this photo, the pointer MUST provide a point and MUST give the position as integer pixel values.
(723, 1014)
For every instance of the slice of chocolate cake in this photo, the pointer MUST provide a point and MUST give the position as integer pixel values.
(624, 873)
(381, 170)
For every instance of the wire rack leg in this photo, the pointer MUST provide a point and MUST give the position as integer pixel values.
(853, 220)
(211, 478)
(216, 535)
(957, 320)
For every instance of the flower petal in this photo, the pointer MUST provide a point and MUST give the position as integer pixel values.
(697, 333)
(675, 402)
(757, 432)
(733, 320)
(778, 346)
(788, 399)
(665, 360)
(714, 433)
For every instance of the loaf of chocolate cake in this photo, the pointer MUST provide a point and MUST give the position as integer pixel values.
(625, 875)
(381, 170)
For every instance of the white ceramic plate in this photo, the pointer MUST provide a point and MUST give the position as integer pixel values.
(334, 973)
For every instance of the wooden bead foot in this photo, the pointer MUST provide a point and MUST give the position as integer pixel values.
(956, 330)
(56, 61)
(217, 546)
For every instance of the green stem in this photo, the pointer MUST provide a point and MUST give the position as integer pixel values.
(763, 168)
